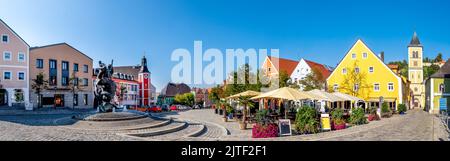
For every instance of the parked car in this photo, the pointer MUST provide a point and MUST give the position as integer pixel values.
(173, 108)
(155, 109)
(165, 108)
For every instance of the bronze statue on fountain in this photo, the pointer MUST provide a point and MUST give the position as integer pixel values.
(105, 88)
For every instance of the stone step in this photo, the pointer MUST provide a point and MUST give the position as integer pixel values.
(143, 123)
(148, 132)
(192, 130)
(212, 131)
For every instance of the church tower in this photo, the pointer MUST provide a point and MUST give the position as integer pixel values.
(415, 71)
(144, 84)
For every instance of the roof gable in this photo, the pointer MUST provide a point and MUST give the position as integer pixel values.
(283, 64)
(59, 44)
(359, 42)
(319, 67)
(10, 29)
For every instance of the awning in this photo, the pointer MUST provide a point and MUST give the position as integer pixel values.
(245, 94)
(389, 99)
(322, 95)
(285, 93)
(347, 97)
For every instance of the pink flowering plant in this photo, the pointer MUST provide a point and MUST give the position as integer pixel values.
(264, 128)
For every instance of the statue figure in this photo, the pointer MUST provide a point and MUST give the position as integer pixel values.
(105, 88)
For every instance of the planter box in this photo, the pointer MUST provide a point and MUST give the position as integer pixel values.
(339, 127)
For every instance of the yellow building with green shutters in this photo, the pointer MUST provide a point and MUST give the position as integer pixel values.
(363, 74)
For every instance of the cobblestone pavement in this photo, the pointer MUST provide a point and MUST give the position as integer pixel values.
(416, 126)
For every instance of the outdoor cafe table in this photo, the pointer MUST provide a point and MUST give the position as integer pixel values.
(274, 116)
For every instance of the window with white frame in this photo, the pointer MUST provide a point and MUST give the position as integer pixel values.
(21, 75)
(376, 87)
(441, 88)
(7, 56)
(335, 87)
(354, 56)
(364, 55)
(370, 69)
(7, 75)
(356, 87)
(21, 57)
(357, 70)
(390, 86)
(344, 71)
(5, 38)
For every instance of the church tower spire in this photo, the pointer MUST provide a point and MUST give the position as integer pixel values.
(144, 68)
(415, 71)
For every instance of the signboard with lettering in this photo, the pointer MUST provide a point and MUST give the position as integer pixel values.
(443, 104)
(325, 122)
(285, 127)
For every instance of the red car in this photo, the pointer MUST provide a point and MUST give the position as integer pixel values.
(173, 108)
(155, 109)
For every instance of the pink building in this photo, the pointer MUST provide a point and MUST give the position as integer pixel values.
(14, 82)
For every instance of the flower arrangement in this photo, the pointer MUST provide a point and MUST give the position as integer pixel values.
(338, 119)
(264, 128)
(373, 116)
(265, 131)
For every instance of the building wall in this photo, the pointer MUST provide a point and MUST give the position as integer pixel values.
(269, 69)
(62, 52)
(381, 75)
(15, 45)
(301, 71)
(434, 95)
(415, 75)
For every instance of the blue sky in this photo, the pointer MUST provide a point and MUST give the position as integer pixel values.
(318, 30)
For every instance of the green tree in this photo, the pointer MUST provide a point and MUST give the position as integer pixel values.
(74, 86)
(430, 70)
(438, 58)
(247, 103)
(243, 80)
(38, 85)
(314, 80)
(284, 79)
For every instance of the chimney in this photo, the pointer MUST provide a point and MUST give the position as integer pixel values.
(381, 56)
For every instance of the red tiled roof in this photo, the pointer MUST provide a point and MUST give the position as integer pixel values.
(393, 66)
(285, 64)
(319, 67)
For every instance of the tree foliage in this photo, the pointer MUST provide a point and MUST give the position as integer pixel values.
(314, 80)
(185, 99)
(353, 79)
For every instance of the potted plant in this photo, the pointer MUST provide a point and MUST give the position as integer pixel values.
(307, 120)
(337, 116)
(401, 109)
(230, 111)
(373, 116)
(264, 128)
(385, 111)
(358, 117)
(246, 102)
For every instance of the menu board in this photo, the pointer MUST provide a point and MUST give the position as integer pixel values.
(285, 127)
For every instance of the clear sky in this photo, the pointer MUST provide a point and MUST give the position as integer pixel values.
(318, 30)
